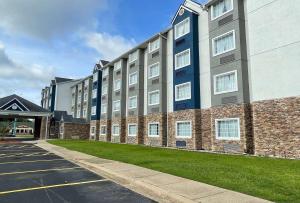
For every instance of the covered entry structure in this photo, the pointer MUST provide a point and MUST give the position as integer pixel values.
(14, 106)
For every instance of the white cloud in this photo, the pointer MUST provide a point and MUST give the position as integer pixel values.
(47, 19)
(107, 45)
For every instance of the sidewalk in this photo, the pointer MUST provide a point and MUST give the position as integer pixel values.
(159, 186)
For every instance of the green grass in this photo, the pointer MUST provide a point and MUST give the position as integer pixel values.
(273, 179)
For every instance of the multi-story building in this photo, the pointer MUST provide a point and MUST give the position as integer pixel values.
(223, 78)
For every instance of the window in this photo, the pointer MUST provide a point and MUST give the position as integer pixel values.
(153, 98)
(154, 45)
(73, 114)
(93, 110)
(84, 113)
(223, 43)
(132, 129)
(153, 70)
(132, 103)
(79, 99)
(116, 105)
(95, 77)
(182, 59)
(117, 85)
(221, 8)
(182, 28)
(228, 129)
(225, 82)
(133, 56)
(102, 130)
(103, 108)
(73, 101)
(105, 72)
(86, 83)
(183, 91)
(94, 93)
(133, 78)
(117, 65)
(78, 113)
(116, 130)
(85, 96)
(183, 129)
(153, 129)
(93, 130)
(104, 89)
(61, 130)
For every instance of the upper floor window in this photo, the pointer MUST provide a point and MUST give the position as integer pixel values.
(95, 77)
(153, 70)
(86, 96)
(104, 89)
(84, 113)
(225, 82)
(94, 93)
(133, 56)
(228, 129)
(221, 8)
(182, 59)
(86, 83)
(116, 105)
(133, 78)
(153, 98)
(223, 43)
(117, 85)
(78, 113)
(117, 65)
(182, 28)
(79, 99)
(154, 45)
(183, 91)
(132, 103)
(103, 108)
(104, 72)
(93, 110)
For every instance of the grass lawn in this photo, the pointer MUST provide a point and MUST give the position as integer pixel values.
(273, 179)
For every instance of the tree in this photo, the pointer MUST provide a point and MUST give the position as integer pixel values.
(3, 131)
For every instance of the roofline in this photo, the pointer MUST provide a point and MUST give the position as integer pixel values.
(24, 113)
(81, 80)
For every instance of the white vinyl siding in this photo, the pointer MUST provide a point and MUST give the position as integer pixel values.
(93, 112)
(133, 56)
(132, 103)
(95, 77)
(79, 98)
(228, 129)
(104, 89)
(182, 28)
(117, 85)
(116, 105)
(103, 130)
(153, 98)
(105, 72)
(132, 129)
(223, 43)
(103, 108)
(78, 113)
(221, 8)
(115, 130)
(183, 91)
(153, 130)
(153, 70)
(154, 45)
(117, 65)
(225, 82)
(182, 59)
(133, 78)
(184, 129)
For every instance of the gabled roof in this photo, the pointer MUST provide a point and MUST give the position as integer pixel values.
(183, 6)
(59, 79)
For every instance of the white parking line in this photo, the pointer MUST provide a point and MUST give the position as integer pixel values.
(20, 162)
(27, 154)
(37, 171)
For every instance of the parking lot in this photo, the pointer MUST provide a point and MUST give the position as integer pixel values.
(31, 174)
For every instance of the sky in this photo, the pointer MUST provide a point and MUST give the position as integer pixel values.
(43, 39)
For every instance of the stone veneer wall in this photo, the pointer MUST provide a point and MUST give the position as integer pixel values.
(162, 139)
(276, 127)
(95, 123)
(121, 137)
(241, 111)
(186, 115)
(76, 130)
(139, 138)
(107, 137)
(206, 129)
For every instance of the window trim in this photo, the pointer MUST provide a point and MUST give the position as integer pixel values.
(222, 74)
(149, 45)
(212, 13)
(114, 105)
(113, 130)
(78, 115)
(227, 119)
(84, 113)
(154, 64)
(153, 123)
(136, 79)
(116, 69)
(176, 132)
(222, 35)
(94, 93)
(175, 28)
(129, 103)
(182, 84)
(104, 108)
(115, 90)
(94, 113)
(93, 127)
(176, 67)
(131, 124)
(105, 130)
(149, 98)
(131, 61)
(95, 77)
(102, 92)
(85, 99)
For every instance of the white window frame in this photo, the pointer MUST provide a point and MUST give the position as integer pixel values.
(103, 112)
(132, 124)
(114, 125)
(93, 127)
(86, 83)
(114, 105)
(84, 113)
(78, 113)
(182, 84)
(117, 65)
(222, 74)
(129, 102)
(150, 66)
(149, 93)
(105, 70)
(153, 123)
(115, 85)
(150, 43)
(94, 110)
(85, 97)
(95, 77)
(220, 36)
(94, 93)
(61, 130)
(101, 130)
(130, 56)
(137, 78)
(79, 98)
(227, 138)
(187, 137)
(102, 92)
(212, 12)
(181, 22)
(178, 67)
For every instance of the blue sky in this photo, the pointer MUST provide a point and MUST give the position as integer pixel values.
(43, 39)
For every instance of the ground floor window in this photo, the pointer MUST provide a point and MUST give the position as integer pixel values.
(103, 130)
(132, 129)
(184, 129)
(61, 129)
(115, 130)
(153, 129)
(93, 130)
(228, 129)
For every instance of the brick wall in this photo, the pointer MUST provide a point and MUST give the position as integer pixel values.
(122, 135)
(95, 123)
(107, 137)
(76, 130)
(139, 139)
(162, 139)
